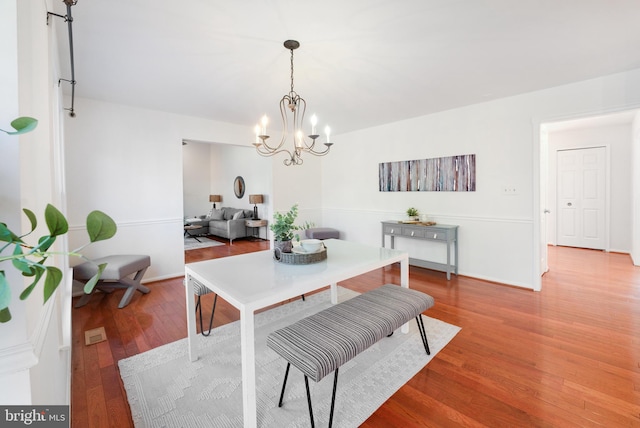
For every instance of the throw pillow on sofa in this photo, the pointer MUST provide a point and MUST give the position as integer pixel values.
(217, 215)
(239, 214)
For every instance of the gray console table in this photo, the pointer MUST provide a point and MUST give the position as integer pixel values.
(444, 233)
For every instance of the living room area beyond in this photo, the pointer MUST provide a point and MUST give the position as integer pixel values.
(213, 172)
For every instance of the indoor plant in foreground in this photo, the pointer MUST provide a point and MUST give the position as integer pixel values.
(30, 259)
(283, 227)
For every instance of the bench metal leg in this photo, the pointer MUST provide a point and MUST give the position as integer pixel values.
(306, 384)
(333, 398)
(284, 383)
(199, 311)
(423, 333)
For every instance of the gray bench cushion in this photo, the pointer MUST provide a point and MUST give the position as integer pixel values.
(199, 289)
(322, 342)
(117, 267)
(322, 233)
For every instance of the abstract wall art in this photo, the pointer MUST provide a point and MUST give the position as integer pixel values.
(446, 174)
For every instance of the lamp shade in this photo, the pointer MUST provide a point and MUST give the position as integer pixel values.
(215, 198)
(255, 199)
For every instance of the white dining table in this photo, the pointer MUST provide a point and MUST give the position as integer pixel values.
(254, 281)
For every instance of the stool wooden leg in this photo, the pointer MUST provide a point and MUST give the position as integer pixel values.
(133, 285)
(83, 300)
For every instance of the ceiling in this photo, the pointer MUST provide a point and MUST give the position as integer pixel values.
(361, 63)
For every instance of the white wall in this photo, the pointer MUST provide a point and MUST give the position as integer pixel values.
(499, 234)
(15, 345)
(229, 162)
(635, 190)
(302, 185)
(196, 172)
(617, 139)
(127, 162)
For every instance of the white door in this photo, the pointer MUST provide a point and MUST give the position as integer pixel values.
(581, 198)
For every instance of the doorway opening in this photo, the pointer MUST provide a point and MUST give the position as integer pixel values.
(604, 138)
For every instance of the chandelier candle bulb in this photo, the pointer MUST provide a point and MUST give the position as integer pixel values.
(265, 121)
(299, 138)
(314, 122)
(327, 131)
(257, 129)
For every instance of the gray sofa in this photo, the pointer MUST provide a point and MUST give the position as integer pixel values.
(223, 224)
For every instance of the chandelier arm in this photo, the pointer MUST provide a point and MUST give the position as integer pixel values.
(317, 153)
(284, 102)
(268, 153)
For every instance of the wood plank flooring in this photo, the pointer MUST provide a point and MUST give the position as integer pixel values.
(563, 357)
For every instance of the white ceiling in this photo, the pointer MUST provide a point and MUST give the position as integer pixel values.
(361, 63)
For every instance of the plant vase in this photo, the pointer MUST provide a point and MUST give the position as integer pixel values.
(284, 246)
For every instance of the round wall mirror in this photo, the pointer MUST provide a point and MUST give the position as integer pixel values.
(238, 187)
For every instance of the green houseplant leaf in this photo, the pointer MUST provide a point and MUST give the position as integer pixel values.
(88, 287)
(32, 219)
(38, 272)
(100, 226)
(5, 292)
(51, 282)
(22, 125)
(56, 222)
(6, 235)
(30, 260)
(283, 224)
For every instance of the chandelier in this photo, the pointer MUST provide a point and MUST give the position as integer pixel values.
(297, 105)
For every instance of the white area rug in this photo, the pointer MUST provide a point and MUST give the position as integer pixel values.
(165, 389)
(191, 243)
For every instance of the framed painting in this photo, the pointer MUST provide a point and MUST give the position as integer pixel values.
(445, 174)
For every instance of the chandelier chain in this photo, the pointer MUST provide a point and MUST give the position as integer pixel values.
(291, 70)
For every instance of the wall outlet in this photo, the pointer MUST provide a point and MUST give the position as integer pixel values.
(509, 191)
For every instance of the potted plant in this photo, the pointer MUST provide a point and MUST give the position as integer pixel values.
(413, 213)
(283, 227)
(30, 259)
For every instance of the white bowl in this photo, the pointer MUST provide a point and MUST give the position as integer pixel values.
(311, 245)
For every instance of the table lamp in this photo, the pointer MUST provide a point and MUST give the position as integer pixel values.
(214, 199)
(255, 199)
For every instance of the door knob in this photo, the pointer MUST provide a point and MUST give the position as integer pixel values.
(569, 204)
(546, 211)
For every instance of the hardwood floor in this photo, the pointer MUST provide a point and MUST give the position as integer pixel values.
(566, 356)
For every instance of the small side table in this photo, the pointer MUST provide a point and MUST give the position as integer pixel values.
(257, 224)
(188, 228)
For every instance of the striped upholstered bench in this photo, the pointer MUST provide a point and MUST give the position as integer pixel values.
(319, 344)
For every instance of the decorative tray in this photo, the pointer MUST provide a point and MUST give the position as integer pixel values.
(300, 258)
(418, 223)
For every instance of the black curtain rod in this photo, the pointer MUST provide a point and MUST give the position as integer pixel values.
(69, 20)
